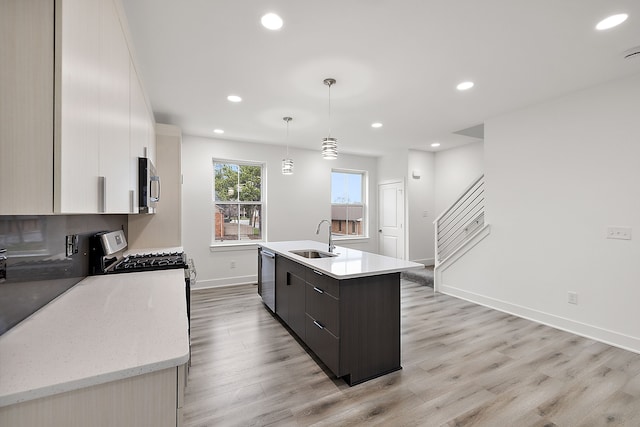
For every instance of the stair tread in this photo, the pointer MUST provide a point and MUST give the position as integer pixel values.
(423, 276)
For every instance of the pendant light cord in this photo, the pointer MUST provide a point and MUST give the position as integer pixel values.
(329, 82)
(329, 110)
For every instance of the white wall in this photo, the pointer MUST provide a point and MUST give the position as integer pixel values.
(393, 166)
(557, 175)
(295, 204)
(421, 210)
(455, 170)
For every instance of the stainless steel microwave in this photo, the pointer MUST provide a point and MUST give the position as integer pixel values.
(149, 186)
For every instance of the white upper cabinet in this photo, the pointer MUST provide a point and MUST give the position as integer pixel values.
(26, 107)
(67, 109)
(114, 113)
(78, 74)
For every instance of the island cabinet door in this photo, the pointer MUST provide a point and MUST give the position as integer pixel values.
(323, 308)
(324, 344)
(290, 286)
(296, 304)
(282, 290)
(323, 321)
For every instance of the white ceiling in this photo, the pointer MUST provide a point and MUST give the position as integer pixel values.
(395, 61)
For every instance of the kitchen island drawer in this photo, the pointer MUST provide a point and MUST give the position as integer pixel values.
(324, 344)
(323, 307)
(326, 283)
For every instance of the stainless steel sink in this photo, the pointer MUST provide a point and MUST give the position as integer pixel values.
(312, 253)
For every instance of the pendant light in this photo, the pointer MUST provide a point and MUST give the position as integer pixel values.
(287, 162)
(329, 144)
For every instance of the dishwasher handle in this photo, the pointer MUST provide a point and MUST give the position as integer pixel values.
(268, 254)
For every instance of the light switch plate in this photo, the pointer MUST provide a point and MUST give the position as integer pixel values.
(621, 233)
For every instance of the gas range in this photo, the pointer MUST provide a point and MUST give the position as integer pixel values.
(108, 256)
(149, 261)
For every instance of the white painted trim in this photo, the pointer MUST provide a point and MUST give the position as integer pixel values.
(606, 336)
(235, 247)
(227, 281)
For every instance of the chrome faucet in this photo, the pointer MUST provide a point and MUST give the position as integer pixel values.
(331, 246)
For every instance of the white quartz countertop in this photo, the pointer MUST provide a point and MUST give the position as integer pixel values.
(348, 263)
(103, 329)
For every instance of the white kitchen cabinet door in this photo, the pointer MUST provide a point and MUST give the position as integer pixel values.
(77, 140)
(114, 113)
(26, 107)
(92, 147)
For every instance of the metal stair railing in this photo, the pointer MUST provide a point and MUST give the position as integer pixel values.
(460, 221)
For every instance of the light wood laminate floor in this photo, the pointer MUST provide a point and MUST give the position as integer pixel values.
(463, 365)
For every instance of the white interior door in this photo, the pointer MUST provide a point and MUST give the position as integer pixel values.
(391, 219)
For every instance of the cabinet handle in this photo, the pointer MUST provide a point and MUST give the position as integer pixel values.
(102, 194)
(318, 273)
(315, 322)
(318, 290)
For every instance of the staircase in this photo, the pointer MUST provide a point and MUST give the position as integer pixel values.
(459, 226)
(460, 221)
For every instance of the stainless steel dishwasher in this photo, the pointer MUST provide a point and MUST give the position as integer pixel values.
(268, 278)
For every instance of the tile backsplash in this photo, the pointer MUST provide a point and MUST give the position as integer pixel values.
(37, 268)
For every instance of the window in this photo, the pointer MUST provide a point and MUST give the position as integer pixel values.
(238, 199)
(348, 195)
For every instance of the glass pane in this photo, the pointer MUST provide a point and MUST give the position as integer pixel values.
(354, 187)
(347, 220)
(250, 223)
(250, 182)
(225, 181)
(237, 222)
(346, 188)
(226, 222)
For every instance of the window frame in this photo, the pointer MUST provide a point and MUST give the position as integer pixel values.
(263, 189)
(365, 205)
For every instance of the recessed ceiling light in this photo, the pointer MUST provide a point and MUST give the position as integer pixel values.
(218, 131)
(271, 21)
(464, 86)
(376, 125)
(435, 144)
(612, 21)
(234, 98)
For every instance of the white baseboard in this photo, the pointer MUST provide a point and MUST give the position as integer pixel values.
(227, 281)
(615, 339)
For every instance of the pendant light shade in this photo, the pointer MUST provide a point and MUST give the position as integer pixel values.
(329, 148)
(329, 144)
(287, 166)
(287, 162)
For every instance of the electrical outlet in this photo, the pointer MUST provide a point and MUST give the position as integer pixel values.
(71, 244)
(425, 214)
(620, 233)
(572, 297)
(232, 264)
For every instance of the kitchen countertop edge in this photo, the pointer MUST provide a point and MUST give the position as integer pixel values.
(375, 264)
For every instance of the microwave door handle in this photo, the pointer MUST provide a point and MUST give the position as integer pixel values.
(157, 180)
